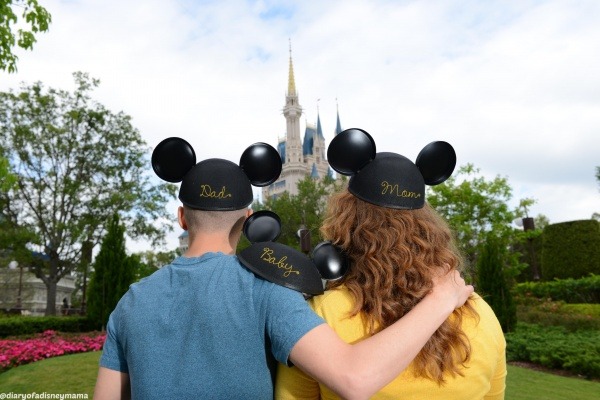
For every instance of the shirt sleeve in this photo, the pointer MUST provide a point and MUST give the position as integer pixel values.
(288, 319)
(293, 384)
(498, 382)
(113, 356)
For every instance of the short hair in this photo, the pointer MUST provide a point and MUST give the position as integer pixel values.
(219, 221)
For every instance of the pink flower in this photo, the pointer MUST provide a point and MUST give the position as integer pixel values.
(45, 345)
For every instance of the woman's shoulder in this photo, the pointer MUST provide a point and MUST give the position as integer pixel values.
(335, 306)
(486, 318)
(480, 304)
(332, 298)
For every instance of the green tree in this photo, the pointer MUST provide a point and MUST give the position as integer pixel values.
(596, 215)
(306, 209)
(32, 18)
(77, 164)
(7, 179)
(114, 271)
(527, 243)
(151, 262)
(493, 283)
(474, 207)
(13, 238)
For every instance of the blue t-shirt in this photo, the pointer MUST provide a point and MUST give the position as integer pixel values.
(198, 329)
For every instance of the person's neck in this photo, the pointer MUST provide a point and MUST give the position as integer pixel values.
(201, 244)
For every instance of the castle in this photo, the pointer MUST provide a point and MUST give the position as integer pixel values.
(300, 157)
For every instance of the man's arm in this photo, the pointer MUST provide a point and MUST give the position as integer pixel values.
(112, 385)
(360, 370)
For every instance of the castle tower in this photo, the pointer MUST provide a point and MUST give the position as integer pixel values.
(292, 113)
(300, 157)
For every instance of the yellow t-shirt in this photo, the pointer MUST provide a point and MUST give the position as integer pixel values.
(484, 375)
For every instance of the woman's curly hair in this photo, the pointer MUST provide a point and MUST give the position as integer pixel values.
(394, 255)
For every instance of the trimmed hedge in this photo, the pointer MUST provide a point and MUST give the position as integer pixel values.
(15, 326)
(573, 317)
(583, 290)
(554, 347)
(571, 249)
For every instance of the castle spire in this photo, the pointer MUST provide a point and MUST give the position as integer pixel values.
(338, 125)
(319, 130)
(291, 81)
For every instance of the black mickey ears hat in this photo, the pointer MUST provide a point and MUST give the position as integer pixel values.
(215, 184)
(283, 265)
(389, 179)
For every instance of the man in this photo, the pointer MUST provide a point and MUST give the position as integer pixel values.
(203, 326)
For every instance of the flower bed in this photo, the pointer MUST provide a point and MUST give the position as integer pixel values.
(14, 352)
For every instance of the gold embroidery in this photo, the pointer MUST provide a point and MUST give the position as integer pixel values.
(268, 256)
(387, 187)
(207, 191)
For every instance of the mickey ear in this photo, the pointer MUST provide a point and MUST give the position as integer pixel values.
(436, 162)
(262, 226)
(172, 159)
(331, 262)
(351, 150)
(261, 163)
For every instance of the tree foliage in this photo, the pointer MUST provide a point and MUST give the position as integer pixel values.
(596, 215)
(306, 209)
(114, 271)
(493, 282)
(475, 206)
(13, 238)
(7, 179)
(76, 164)
(151, 261)
(32, 18)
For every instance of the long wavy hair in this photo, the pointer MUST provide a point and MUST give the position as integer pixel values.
(394, 255)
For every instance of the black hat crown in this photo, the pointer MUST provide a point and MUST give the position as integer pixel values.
(284, 265)
(215, 184)
(389, 179)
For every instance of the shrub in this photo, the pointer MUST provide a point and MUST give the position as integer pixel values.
(493, 285)
(529, 248)
(588, 310)
(583, 290)
(572, 317)
(15, 326)
(554, 347)
(114, 271)
(571, 249)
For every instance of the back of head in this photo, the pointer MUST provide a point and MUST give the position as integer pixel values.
(394, 255)
(390, 243)
(220, 222)
(215, 184)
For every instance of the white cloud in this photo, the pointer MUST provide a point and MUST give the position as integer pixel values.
(512, 85)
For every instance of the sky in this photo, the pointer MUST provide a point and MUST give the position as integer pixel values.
(514, 86)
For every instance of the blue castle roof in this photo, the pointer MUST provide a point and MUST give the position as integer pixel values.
(338, 125)
(319, 130)
(281, 149)
(314, 173)
(309, 140)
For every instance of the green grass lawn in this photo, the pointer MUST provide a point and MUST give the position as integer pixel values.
(77, 374)
(526, 384)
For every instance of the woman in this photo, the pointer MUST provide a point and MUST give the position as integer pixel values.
(395, 246)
